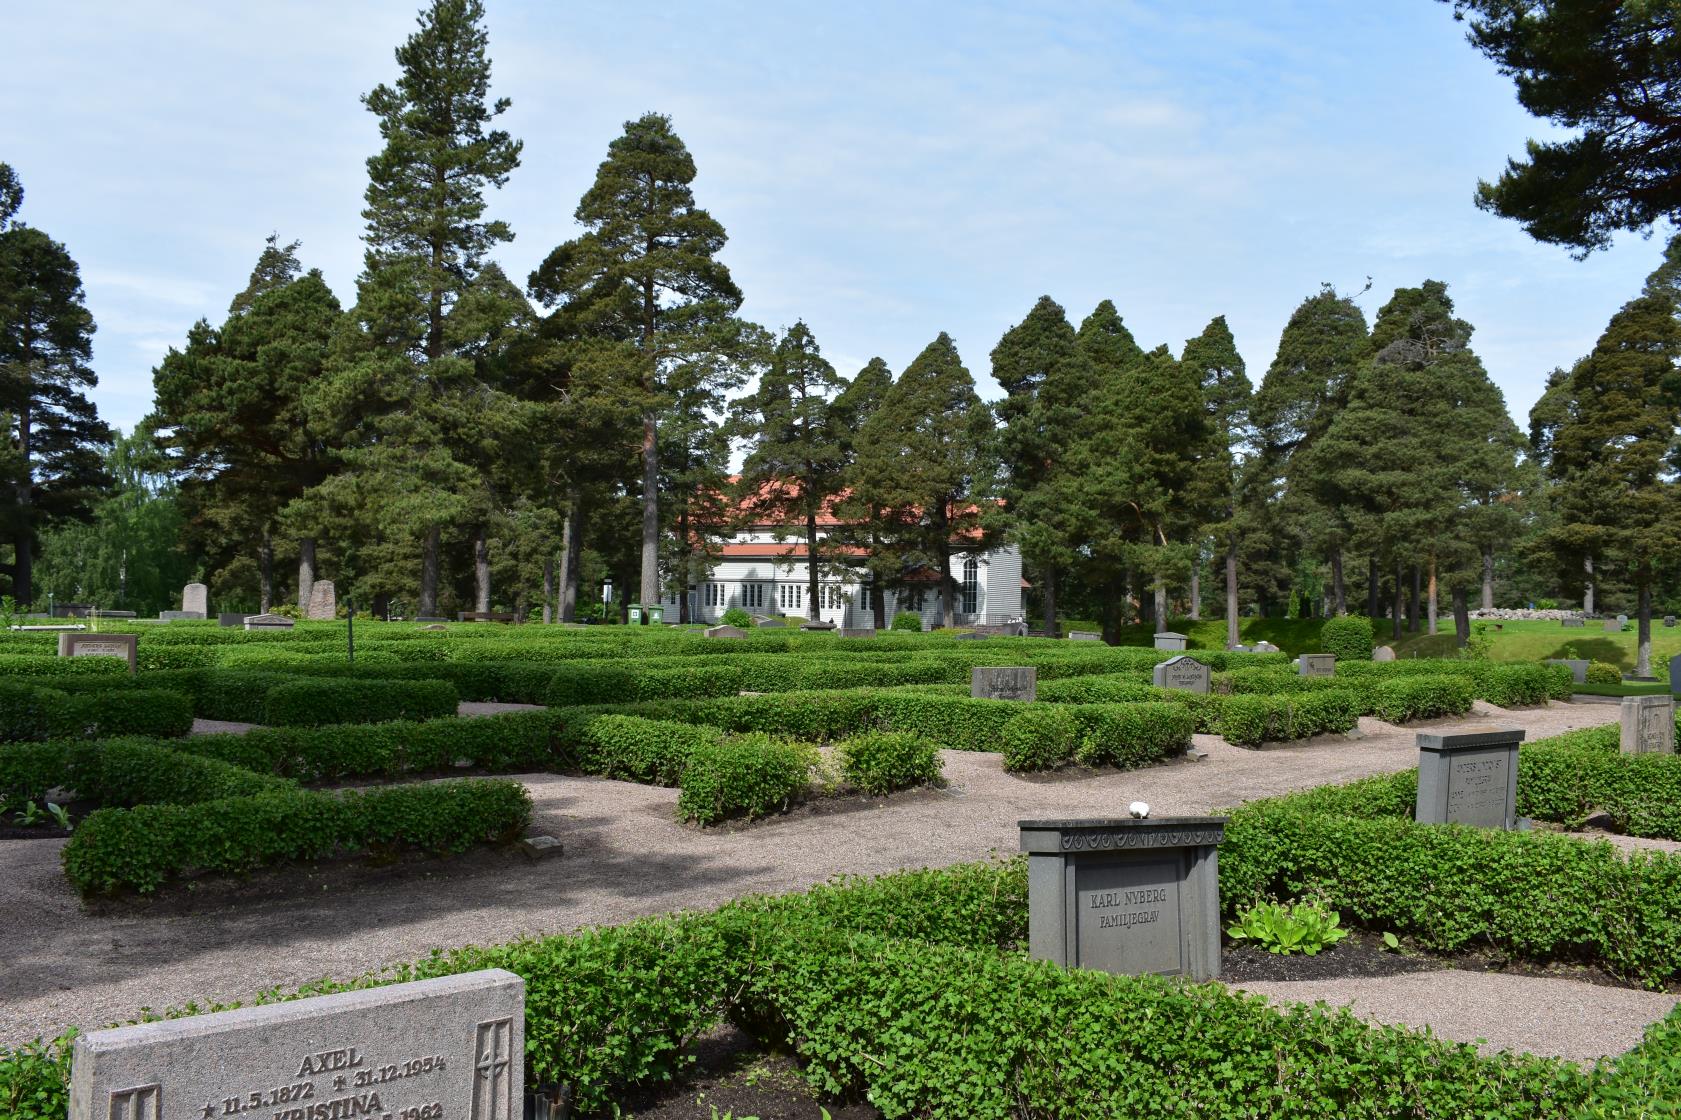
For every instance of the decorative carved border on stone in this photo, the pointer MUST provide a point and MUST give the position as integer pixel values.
(142, 1102)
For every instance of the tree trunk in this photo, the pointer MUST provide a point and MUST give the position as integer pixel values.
(688, 549)
(1231, 595)
(1339, 589)
(1643, 638)
(1430, 599)
(481, 570)
(1374, 590)
(650, 589)
(1050, 601)
(1488, 577)
(429, 573)
(1196, 588)
(548, 590)
(812, 606)
(948, 608)
(306, 571)
(1400, 590)
(571, 551)
(265, 573)
(1461, 618)
(1587, 593)
(1412, 600)
(23, 548)
(1159, 606)
(878, 604)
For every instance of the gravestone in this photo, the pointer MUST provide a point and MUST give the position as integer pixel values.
(1573, 623)
(323, 602)
(857, 631)
(195, 600)
(771, 624)
(1612, 626)
(180, 616)
(231, 618)
(1001, 630)
(1084, 636)
(1266, 647)
(1238, 647)
(442, 1049)
(1578, 667)
(1669, 620)
(69, 610)
(808, 625)
(1469, 777)
(1383, 653)
(1168, 640)
(1622, 620)
(1126, 896)
(1648, 724)
(125, 646)
(1675, 674)
(968, 637)
(1003, 683)
(1317, 665)
(1186, 674)
(435, 626)
(724, 632)
(268, 622)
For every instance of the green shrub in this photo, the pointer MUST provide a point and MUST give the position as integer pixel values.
(1041, 738)
(35, 1079)
(26, 711)
(310, 703)
(883, 761)
(1306, 927)
(1131, 735)
(654, 752)
(590, 682)
(45, 664)
(746, 776)
(124, 772)
(1250, 720)
(1603, 672)
(1349, 637)
(144, 847)
(1516, 685)
(1411, 698)
(131, 711)
(738, 617)
(906, 620)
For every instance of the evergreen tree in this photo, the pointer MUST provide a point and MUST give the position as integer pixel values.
(1113, 357)
(1610, 452)
(646, 271)
(53, 430)
(1226, 393)
(795, 463)
(858, 527)
(924, 459)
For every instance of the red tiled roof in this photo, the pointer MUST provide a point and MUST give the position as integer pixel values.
(788, 551)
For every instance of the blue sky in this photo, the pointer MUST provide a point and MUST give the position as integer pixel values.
(885, 171)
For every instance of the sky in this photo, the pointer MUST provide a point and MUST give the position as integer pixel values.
(885, 171)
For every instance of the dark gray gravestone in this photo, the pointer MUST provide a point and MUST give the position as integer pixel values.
(1675, 674)
(180, 616)
(1573, 623)
(448, 1047)
(1469, 777)
(1648, 725)
(268, 622)
(232, 618)
(1317, 665)
(1669, 620)
(1003, 683)
(724, 632)
(1185, 674)
(1578, 668)
(817, 625)
(1131, 897)
(1168, 640)
(857, 631)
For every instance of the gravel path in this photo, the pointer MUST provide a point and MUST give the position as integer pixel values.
(626, 856)
(1556, 1018)
(465, 708)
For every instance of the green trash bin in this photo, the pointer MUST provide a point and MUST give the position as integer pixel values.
(636, 614)
(656, 615)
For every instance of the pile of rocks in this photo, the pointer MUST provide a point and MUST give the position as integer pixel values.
(1508, 614)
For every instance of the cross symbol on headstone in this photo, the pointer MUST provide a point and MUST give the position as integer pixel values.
(491, 1062)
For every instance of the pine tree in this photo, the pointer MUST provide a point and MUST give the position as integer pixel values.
(646, 271)
(53, 430)
(858, 525)
(1610, 452)
(1226, 394)
(1113, 358)
(924, 459)
(795, 460)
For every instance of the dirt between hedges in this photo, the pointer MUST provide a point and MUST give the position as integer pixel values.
(626, 856)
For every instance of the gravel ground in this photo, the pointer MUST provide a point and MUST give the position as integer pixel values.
(465, 708)
(625, 856)
(1556, 1018)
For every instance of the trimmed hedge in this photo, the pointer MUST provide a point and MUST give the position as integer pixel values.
(654, 752)
(1041, 738)
(745, 776)
(884, 761)
(1349, 637)
(1251, 719)
(124, 772)
(144, 847)
(31, 714)
(311, 703)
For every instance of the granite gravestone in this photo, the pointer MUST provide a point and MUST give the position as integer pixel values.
(1266, 647)
(1186, 674)
(1622, 620)
(1383, 653)
(1469, 777)
(724, 632)
(1648, 725)
(323, 602)
(1573, 623)
(1669, 620)
(1317, 665)
(1168, 640)
(452, 1048)
(268, 622)
(1675, 674)
(231, 618)
(1003, 683)
(125, 646)
(1612, 626)
(1126, 896)
(857, 631)
(1084, 636)
(195, 600)
(1578, 668)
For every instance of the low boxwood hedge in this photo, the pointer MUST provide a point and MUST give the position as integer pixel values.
(883, 761)
(743, 776)
(123, 772)
(146, 846)
(310, 703)
(29, 713)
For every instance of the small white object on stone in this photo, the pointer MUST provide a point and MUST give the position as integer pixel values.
(1139, 809)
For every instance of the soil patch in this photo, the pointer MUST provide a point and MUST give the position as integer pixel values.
(733, 1077)
(1359, 954)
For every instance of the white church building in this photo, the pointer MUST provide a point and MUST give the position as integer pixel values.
(764, 575)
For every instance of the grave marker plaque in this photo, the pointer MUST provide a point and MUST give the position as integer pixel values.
(1183, 673)
(1648, 724)
(1469, 777)
(1006, 683)
(268, 622)
(1578, 667)
(1612, 626)
(1084, 636)
(1318, 665)
(1126, 896)
(195, 600)
(724, 632)
(1573, 623)
(1168, 640)
(1675, 674)
(452, 1048)
(126, 646)
(857, 631)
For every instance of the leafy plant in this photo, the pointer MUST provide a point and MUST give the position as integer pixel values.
(736, 616)
(1350, 638)
(60, 814)
(31, 815)
(1479, 644)
(1306, 927)
(906, 620)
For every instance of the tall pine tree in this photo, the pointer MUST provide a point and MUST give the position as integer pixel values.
(1213, 359)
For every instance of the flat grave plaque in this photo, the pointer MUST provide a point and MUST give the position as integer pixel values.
(268, 622)
(1084, 636)
(451, 1048)
(724, 632)
(1006, 683)
(125, 646)
(1469, 778)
